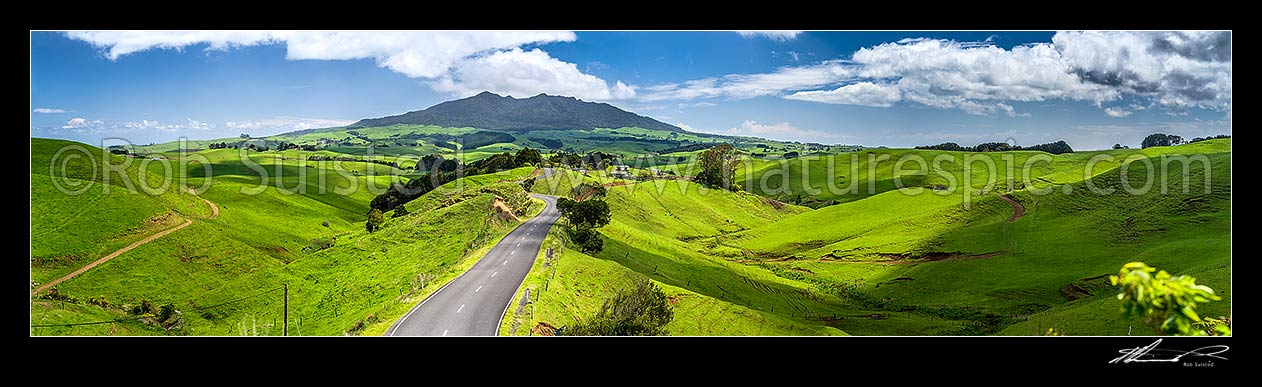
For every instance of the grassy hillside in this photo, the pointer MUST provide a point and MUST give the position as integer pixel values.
(827, 178)
(1006, 271)
(907, 262)
(572, 285)
(76, 217)
(276, 226)
(881, 262)
(413, 141)
(666, 236)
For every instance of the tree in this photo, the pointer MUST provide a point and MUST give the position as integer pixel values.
(1199, 139)
(946, 146)
(1117, 146)
(245, 135)
(587, 239)
(992, 147)
(718, 165)
(597, 191)
(374, 220)
(1161, 139)
(1055, 148)
(591, 213)
(583, 219)
(1167, 304)
(640, 311)
(527, 184)
(527, 156)
(400, 211)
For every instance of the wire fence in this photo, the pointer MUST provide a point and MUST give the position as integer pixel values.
(150, 315)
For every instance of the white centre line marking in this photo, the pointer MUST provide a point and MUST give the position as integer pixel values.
(493, 274)
(444, 332)
(461, 308)
(476, 290)
(505, 262)
(519, 243)
(511, 252)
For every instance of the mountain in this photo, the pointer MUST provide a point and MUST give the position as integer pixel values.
(488, 110)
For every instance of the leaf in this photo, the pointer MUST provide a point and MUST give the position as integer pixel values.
(1223, 330)
(1190, 312)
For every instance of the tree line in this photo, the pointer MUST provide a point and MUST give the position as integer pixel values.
(394, 164)
(1055, 148)
(440, 170)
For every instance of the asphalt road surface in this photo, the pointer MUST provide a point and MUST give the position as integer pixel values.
(473, 303)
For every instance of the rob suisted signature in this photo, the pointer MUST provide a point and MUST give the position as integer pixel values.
(1151, 354)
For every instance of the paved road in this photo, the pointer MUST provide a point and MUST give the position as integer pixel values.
(473, 303)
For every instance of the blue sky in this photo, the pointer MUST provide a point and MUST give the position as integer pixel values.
(895, 89)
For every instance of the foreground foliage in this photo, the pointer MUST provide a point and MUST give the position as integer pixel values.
(1166, 303)
(641, 311)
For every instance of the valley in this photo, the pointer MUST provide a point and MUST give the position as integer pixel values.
(832, 241)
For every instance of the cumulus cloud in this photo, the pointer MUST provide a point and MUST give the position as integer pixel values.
(862, 93)
(974, 77)
(48, 110)
(197, 125)
(447, 58)
(782, 36)
(1117, 112)
(526, 73)
(79, 122)
(781, 131)
(141, 125)
(1175, 70)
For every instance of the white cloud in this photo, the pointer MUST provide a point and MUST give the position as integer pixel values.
(143, 124)
(417, 54)
(794, 55)
(78, 122)
(527, 73)
(685, 126)
(782, 36)
(460, 62)
(120, 43)
(49, 110)
(696, 105)
(197, 125)
(1116, 112)
(189, 124)
(779, 131)
(286, 124)
(739, 86)
(974, 76)
(1176, 70)
(862, 93)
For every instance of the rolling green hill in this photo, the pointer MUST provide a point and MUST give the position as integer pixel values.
(883, 261)
(901, 262)
(77, 217)
(275, 226)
